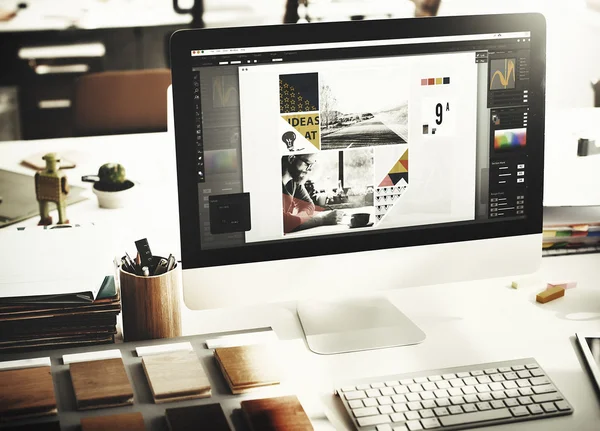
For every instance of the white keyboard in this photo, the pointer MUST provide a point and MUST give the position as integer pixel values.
(454, 398)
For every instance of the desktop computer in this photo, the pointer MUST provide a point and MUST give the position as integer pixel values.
(317, 162)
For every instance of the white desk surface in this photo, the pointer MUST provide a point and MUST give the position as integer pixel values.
(466, 323)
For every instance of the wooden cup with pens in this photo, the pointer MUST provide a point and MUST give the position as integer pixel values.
(150, 290)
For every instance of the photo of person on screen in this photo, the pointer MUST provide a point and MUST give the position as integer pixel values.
(299, 210)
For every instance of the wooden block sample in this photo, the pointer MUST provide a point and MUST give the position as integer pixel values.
(122, 422)
(276, 414)
(27, 392)
(176, 376)
(100, 384)
(550, 294)
(203, 417)
(248, 367)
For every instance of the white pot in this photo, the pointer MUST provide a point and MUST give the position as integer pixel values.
(114, 199)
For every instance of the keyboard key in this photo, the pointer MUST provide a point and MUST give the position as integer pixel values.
(526, 392)
(510, 376)
(384, 401)
(398, 399)
(385, 427)
(429, 404)
(429, 386)
(523, 383)
(519, 411)
(455, 401)
(386, 410)
(415, 387)
(524, 374)
(442, 384)
(468, 390)
(537, 373)
(400, 408)
(370, 421)
(490, 371)
(398, 417)
(544, 389)
(471, 381)
(435, 378)
(497, 404)
(469, 408)
(462, 375)
(406, 382)
(356, 395)
(413, 397)
(499, 395)
(441, 411)
(511, 384)
(448, 376)
(420, 379)
(485, 397)
(537, 381)
(377, 385)
(524, 401)
(504, 370)
(348, 389)
(484, 406)
(400, 428)
(469, 418)
(535, 409)
(370, 402)
(392, 383)
(471, 399)
(549, 407)
(430, 423)
(531, 366)
(484, 379)
(456, 383)
(455, 392)
(496, 386)
(373, 393)
(498, 378)
(356, 404)
(518, 367)
(482, 388)
(442, 402)
(441, 393)
(477, 373)
(511, 402)
(414, 425)
(411, 416)
(455, 410)
(512, 393)
(416, 405)
(366, 411)
(562, 406)
(387, 391)
(427, 413)
(401, 389)
(363, 387)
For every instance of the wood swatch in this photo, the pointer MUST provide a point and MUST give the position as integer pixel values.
(248, 367)
(122, 422)
(26, 393)
(100, 384)
(176, 376)
(276, 414)
(208, 417)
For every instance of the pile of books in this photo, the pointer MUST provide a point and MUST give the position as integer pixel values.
(571, 230)
(33, 323)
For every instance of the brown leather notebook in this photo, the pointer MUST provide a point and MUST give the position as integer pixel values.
(100, 384)
(205, 417)
(276, 414)
(248, 367)
(25, 393)
(122, 422)
(176, 376)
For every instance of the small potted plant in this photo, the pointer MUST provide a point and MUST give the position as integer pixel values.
(111, 185)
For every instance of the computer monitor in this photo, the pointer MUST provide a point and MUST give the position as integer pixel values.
(320, 161)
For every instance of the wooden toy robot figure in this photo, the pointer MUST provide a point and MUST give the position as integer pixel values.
(51, 186)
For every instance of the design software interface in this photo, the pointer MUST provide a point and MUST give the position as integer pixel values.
(342, 138)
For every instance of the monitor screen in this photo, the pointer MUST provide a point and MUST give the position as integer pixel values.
(330, 146)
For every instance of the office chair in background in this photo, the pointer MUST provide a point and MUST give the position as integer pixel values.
(113, 102)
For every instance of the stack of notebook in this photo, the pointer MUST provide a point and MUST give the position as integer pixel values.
(571, 231)
(58, 322)
(247, 368)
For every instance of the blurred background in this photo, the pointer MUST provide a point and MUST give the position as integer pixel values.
(66, 66)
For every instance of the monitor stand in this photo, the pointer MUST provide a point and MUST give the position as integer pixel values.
(350, 325)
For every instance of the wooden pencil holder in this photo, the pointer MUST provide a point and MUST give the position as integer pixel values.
(151, 305)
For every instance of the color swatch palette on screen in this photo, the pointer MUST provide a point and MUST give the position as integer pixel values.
(435, 81)
(510, 139)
